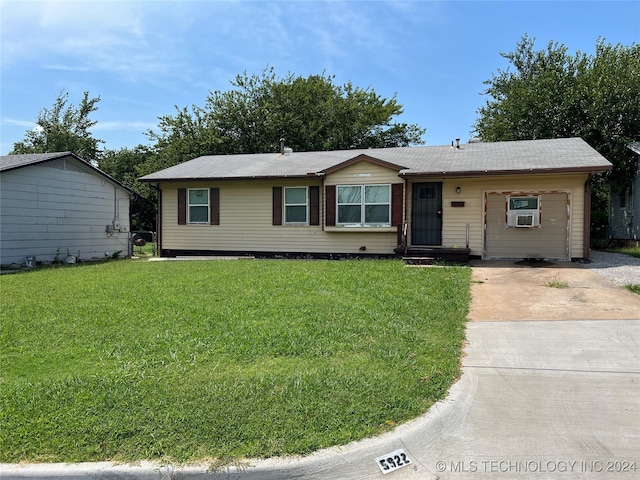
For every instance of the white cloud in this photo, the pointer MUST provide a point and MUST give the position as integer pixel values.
(98, 36)
(17, 123)
(120, 125)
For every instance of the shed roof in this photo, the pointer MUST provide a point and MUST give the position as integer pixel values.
(472, 159)
(12, 162)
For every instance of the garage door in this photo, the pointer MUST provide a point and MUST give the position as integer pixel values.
(550, 240)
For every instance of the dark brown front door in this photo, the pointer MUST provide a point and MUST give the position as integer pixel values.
(426, 214)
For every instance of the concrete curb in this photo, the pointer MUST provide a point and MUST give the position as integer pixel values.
(559, 398)
(331, 463)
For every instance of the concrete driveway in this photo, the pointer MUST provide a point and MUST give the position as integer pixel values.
(550, 389)
(512, 291)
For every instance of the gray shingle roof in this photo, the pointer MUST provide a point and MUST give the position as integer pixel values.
(556, 155)
(11, 162)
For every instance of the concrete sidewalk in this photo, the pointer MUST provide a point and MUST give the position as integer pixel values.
(542, 395)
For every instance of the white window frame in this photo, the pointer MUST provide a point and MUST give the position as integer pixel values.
(306, 205)
(363, 204)
(515, 214)
(189, 205)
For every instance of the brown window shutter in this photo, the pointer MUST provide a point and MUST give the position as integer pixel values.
(214, 206)
(330, 205)
(182, 206)
(314, 205)
(397, 194)
(277, 206)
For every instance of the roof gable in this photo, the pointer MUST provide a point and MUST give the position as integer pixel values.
(362, 158)
(13, 162)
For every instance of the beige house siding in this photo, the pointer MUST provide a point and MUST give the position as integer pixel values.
(549, 240)
(473, 192)
(246, 219)
(246, 214)
(363, 173)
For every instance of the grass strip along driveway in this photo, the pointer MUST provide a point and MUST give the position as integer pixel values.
(186, 361)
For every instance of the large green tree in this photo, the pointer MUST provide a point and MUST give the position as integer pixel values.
(551, 93)
(64, 127)
(311, 113)
(127, 165)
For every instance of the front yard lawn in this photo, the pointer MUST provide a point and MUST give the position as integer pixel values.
(185, 361)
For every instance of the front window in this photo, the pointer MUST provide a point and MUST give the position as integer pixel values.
(198, 205)
(364, 205)
(295, 205)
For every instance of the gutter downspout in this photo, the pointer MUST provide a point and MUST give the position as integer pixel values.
(586, 234)
(158, 219)
(130, 240)
(323, 202)
(405, 220)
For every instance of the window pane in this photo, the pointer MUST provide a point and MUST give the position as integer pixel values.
(349, 194)
(199, 197)
(376, 214)
(523, 203)
(349, 214)
(295, 195)
(198, 214)
(376, 194)
(296, 214)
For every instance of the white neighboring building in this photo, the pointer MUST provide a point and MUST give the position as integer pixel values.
(54, 205)
(624, 209)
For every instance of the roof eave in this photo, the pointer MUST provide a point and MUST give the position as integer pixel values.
(501, 173)
(218, 179)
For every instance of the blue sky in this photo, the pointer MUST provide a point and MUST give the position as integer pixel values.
(145, 57)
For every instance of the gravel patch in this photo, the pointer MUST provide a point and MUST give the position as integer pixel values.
(619, 268)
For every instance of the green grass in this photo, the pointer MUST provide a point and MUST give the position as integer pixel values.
(145, 251)
(555, 283)
(186, 361)
(633, 251)
(633, 288)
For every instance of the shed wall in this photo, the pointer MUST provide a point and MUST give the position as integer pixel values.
(60, 206)
(624, 221)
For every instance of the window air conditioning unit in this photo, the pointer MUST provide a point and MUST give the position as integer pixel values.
(523, 219)
(523, 212)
